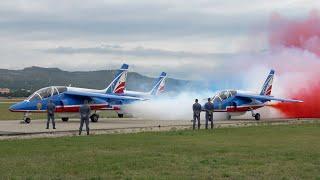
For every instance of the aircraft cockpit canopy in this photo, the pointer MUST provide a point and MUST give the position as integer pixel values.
(46, 92)
(224, 95)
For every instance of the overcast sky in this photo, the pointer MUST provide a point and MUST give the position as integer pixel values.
(176, 36)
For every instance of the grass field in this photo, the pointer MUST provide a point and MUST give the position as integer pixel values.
(3, 99)
(5, 114)
(262, 152)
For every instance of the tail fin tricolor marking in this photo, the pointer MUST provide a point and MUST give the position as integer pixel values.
(119, 82)
(159, 85)
(267, 86)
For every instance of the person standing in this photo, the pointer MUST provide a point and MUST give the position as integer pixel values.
(51, 108)
(85, 112)
(208, 107)
(196, 113)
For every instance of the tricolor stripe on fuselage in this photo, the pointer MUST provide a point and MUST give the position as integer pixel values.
(243, 108)
(74, 108)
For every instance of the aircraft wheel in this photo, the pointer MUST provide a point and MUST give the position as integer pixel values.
(27, 120)
(257, 117)
(120, 115)
(65, 119)
(228, 116)
(94, 118)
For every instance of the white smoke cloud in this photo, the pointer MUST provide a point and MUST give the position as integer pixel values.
(290, 68)
(177, 107)
(180, 108)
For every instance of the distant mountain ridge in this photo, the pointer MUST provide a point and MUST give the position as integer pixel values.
(33, 78)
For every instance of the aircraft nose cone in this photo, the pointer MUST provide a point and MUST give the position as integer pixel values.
(16, 107)
(13, 107)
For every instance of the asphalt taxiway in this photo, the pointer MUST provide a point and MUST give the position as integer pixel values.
(11, 129)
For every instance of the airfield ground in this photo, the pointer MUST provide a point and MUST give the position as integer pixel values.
(255, 152)
(127, 149)
(17, 129)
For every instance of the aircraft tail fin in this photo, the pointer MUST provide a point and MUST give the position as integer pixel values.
(267, 86)
(118, 84)
(159, 84)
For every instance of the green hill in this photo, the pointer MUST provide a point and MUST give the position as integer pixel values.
(33, 78)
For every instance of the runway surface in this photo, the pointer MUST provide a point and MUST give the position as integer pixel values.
(15, 129)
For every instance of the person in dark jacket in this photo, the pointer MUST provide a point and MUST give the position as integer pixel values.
(51, 108)
(208, 107)
(85, 112)
(196, 107)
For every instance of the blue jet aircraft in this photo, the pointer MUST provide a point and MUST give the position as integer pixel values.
(235, 103)
(69, 99)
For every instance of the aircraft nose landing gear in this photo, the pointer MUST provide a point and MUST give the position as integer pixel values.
(26, 118)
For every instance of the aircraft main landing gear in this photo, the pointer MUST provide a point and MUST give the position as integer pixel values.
(94, 117)
(255, 115)
(65, 119)
(120, 115)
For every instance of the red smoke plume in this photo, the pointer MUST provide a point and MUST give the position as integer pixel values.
(303, 35)
(308, 109)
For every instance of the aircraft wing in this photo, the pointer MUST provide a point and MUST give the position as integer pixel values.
(100, 95)
(266, 98)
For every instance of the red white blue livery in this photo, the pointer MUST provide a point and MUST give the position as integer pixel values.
(236, 103)
(69, 99)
